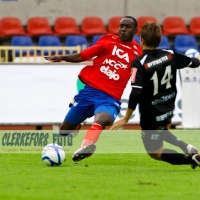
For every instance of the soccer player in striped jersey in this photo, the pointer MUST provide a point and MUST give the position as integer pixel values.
(153, 81)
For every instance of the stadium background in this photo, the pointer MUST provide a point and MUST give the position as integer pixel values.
(79, 9)
(102, 8)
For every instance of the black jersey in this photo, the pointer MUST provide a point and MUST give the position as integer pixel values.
(153, 81)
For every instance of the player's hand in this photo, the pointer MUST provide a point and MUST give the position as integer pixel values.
(118, 124)
(53, 58)
(198, 56)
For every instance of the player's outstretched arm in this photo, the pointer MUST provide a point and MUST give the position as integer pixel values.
(75, 58)
(124, 120)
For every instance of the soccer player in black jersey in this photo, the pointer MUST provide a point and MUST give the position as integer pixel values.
(153, 80)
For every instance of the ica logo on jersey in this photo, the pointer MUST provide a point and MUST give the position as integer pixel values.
(120, 53)
(116, 64)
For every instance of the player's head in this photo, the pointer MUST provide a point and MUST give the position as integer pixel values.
(127, 28)
(150, 35)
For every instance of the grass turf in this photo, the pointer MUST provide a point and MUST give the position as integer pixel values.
(119, 169)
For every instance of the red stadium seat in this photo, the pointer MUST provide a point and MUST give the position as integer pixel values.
(66, 26)
(113, 24)
(92, 26)
(195, 26)
(143, 19)
(11, 26)
(174, 26)
(37, 26)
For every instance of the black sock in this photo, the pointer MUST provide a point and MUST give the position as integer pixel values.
(172, 139)
(175, 158)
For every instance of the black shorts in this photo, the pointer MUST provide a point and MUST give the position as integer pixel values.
(153, 139)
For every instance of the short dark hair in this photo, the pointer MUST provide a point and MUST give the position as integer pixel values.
(134, 21)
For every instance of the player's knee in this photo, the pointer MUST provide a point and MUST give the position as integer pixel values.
(156, 156)
(102, 123)
(62, 127)
(104, 119)
(67, 126)
(63, 130)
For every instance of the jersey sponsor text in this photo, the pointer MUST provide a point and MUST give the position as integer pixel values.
(115, 64)
(163, 98)
(158, 61)
(111, 74)
(164, 116)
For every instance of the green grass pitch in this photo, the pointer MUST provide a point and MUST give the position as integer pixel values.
(119, 170)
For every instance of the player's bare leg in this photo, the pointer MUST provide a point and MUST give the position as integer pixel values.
(156, 154)
(66, 128)
(88, 146)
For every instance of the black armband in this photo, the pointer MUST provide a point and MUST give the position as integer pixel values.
(195, 63)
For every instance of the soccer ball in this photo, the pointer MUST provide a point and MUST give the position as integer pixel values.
(191, 53)
(53, 155)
